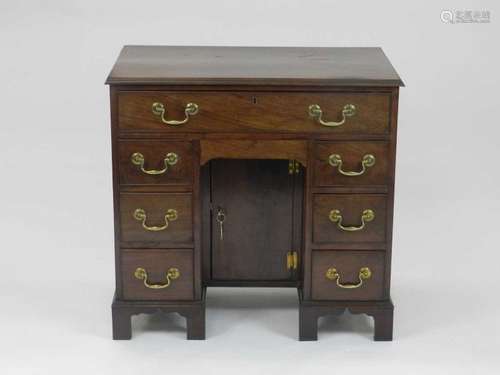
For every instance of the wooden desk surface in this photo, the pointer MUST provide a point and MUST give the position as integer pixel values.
(295, 66)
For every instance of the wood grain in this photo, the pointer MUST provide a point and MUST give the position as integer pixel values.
(154, 152)
(274, 66)
(352, 155)
(347, 265)
(257, 198)
(157, 263)
(246, 112)
(156, 205)
(253, 149)
(351, 207)
(253, 108)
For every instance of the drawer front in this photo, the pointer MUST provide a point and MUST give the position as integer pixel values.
(150, 162)
(345, 218)
(347, 275)
(250, 112)
(157, 274)
(156, 220)
(351, 163)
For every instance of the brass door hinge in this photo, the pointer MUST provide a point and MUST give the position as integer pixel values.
(292, 260)
(293, 167)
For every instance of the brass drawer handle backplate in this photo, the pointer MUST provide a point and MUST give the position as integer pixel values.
(335, 160)
(138, 159)
(172, 274)
(140, 215)
(364, 273)
(336, 217)
(158, 109)
(316, 112)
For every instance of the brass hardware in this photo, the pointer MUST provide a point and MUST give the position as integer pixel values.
(158, 109)
(221, 217)
(292, 260)
(316, 113)
(336, 217)
(172, 274)
(293, 167)
(140, 215)
(289, 260)
(170, 159)
(364, 273)
(336, 161)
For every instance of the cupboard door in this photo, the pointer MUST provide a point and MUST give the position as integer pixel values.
(253, 205)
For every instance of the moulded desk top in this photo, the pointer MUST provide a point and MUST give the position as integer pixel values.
(286, 66)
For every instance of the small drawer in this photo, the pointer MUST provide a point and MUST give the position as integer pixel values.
(330, 113)
(157, 274)
(152, 162)
(349, 218)
(156, 219)
(351, 163)
(347, 275)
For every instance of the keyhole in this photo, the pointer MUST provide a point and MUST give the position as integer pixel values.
(254, 99)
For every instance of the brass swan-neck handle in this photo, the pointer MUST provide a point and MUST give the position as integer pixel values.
(364, 274)
(159, 109)
(335, 160)
(138, 159)
(140, 215)
(172, 274)
(316, 112)
(336, 217)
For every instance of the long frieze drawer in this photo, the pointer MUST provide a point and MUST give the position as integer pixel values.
(156, 219)
(351, 163)
(347, 275)
(153, 162)
(332, 113)
(349, 218)
(157, 274)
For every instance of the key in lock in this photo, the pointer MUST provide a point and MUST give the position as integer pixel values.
(221, 217)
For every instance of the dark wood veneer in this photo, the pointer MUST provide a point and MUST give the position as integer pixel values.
(230, 112)
(351, 207)
(254, 149)
(257, 198)
(154, 152)
(156, 205)
(252, 108)
(348, 265)
(157, 263)
(352, 154)
(268, 66)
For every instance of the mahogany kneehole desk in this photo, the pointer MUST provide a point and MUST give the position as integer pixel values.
(253, 167)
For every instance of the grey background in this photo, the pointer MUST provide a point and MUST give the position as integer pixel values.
(56, 232)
